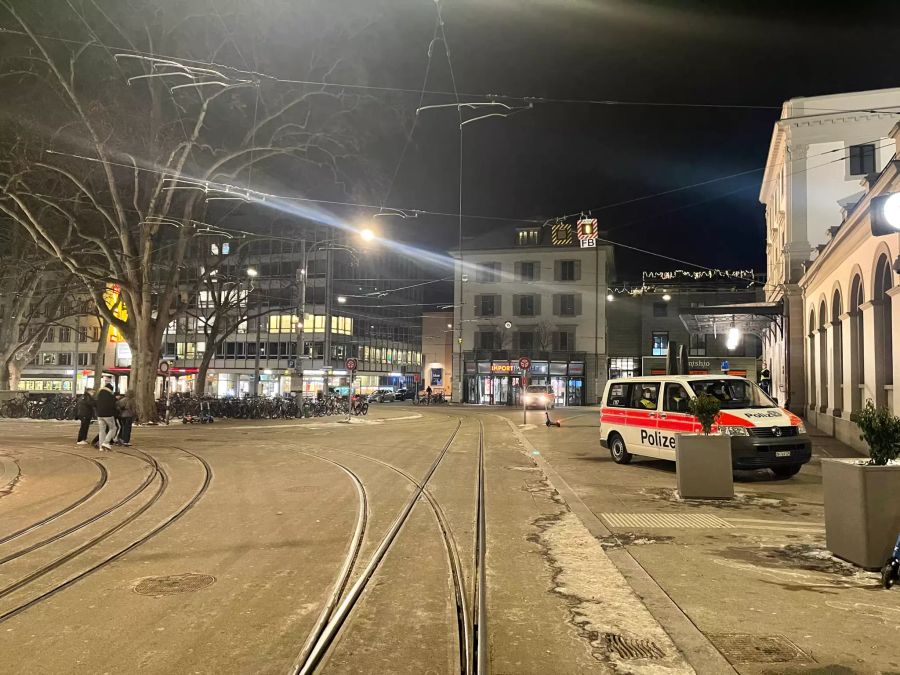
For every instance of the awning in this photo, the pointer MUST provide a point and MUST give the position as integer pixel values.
(755, 318)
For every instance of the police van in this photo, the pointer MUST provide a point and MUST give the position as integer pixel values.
(642, 415)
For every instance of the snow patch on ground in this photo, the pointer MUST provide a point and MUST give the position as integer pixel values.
(601, 601)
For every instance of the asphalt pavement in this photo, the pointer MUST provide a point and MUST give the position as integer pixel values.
(281, 546)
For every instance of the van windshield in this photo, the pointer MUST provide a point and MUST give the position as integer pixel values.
(733, 393)
(537, 389)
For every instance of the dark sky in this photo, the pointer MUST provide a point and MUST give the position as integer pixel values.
(560, 158)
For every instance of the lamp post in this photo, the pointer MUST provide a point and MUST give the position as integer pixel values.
(252, 274)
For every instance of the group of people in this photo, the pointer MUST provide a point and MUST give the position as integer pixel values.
(115, 417)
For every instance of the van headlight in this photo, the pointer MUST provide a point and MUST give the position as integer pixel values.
(733, 431)
(801, 429)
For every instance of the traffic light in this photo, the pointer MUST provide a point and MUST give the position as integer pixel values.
(884, 213)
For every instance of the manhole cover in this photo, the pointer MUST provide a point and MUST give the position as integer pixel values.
(745, 648)
(174, 583)
(633, 648)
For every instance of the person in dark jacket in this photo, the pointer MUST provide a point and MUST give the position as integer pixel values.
(126, 417)
(85, 413)
(106, 416)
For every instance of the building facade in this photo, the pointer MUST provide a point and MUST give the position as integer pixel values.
(821, 152)
(530, 292)
(437, 352)
(851, 328)
(644, 326)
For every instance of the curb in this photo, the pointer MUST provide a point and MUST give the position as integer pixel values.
(698, 651)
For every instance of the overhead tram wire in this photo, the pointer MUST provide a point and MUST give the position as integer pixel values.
(892, 110)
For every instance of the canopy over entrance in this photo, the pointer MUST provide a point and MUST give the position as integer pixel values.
(754, 318)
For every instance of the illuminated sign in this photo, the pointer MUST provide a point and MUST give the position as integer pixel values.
(112, 297)
(561, 234)
(502, 368)
(587, 232)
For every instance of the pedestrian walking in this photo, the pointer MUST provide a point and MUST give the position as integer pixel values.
(126, 417)
(85, 413)
(106, 416)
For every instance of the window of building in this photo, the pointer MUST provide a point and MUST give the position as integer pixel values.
(526, 305)
(488, 272)
(488, 305)
(342, 325)
(50, 335)
(660, 309)
(529, 237)
(86, 358)
(564, 340)
(567, 305)
(526, 340)
(862, 159)
(65, 334)
(659, 345)
(697, 346)
(64, 359)
(282, 323)
(486, 339)
(626, 366)
(48, 359)
(528, 271)
(567, 270)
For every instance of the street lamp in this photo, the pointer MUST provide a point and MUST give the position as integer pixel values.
(251, 272)
(341, 299)
(667, 297)
(367, 234)
(610, 297)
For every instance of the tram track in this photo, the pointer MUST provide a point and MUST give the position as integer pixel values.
(166, 522)
(88, 521)
(471, 619)
(99, 485)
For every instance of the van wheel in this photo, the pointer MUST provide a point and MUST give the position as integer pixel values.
(617, 449)
(786, 471)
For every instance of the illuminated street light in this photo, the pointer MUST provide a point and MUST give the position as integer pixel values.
(367, 234)
(251, 272)
(449, 325)
(341, 299)
(734, 337)
(667, 297)
(891, 210)
(610, 297)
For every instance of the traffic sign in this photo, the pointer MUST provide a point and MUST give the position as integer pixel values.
(292, 363)
(524, 363)
(164, 367)
(352, 364)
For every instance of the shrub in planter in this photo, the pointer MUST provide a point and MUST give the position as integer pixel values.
(881, 432)
(862, 512)
(706, 409)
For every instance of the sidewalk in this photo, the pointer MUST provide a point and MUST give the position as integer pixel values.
(747, 580)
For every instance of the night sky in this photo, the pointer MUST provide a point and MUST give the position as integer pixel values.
(562, 158)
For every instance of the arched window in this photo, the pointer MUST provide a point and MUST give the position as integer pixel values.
(823, 357)
(837, 351)
(884, 280)
(811, 365)
(857, 342)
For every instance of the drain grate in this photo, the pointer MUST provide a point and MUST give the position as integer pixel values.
(663, 520)
(745, 648)
(633, 648)
(173, 584)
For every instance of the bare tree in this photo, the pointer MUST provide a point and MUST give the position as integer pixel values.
(115, 154)
(544, 335)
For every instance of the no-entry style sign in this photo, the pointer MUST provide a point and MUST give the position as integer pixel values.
(352, 364)
(524, 363)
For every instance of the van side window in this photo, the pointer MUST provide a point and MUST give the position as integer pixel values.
(645, 395)
(676, 399)
(619, 396)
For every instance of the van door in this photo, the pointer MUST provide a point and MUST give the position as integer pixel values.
(642, 419)
(674, 418)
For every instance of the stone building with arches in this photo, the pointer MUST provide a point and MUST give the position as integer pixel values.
(851, 323)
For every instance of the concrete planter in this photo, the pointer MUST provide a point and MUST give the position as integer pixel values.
(703, 466)
(862, 510)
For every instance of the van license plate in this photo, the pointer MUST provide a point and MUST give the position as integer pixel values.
(782, 453)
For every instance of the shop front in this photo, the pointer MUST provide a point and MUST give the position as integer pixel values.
(742, 366)
(500, 382)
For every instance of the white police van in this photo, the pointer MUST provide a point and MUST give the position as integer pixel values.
(642, 415)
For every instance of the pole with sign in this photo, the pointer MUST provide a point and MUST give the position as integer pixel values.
(524, 366)
(351, 365)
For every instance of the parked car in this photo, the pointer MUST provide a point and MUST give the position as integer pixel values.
(403, 394)
(539, 396)
(382, 396)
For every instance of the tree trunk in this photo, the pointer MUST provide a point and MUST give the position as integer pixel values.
(4, 376)
(15, 374)
(202, 370)
(144, 366)
(100, 356)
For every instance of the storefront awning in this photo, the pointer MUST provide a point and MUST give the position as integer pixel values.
(755, 318)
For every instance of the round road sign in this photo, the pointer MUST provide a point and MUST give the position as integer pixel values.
(352, 364)
(164, 367)
(524, 363)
